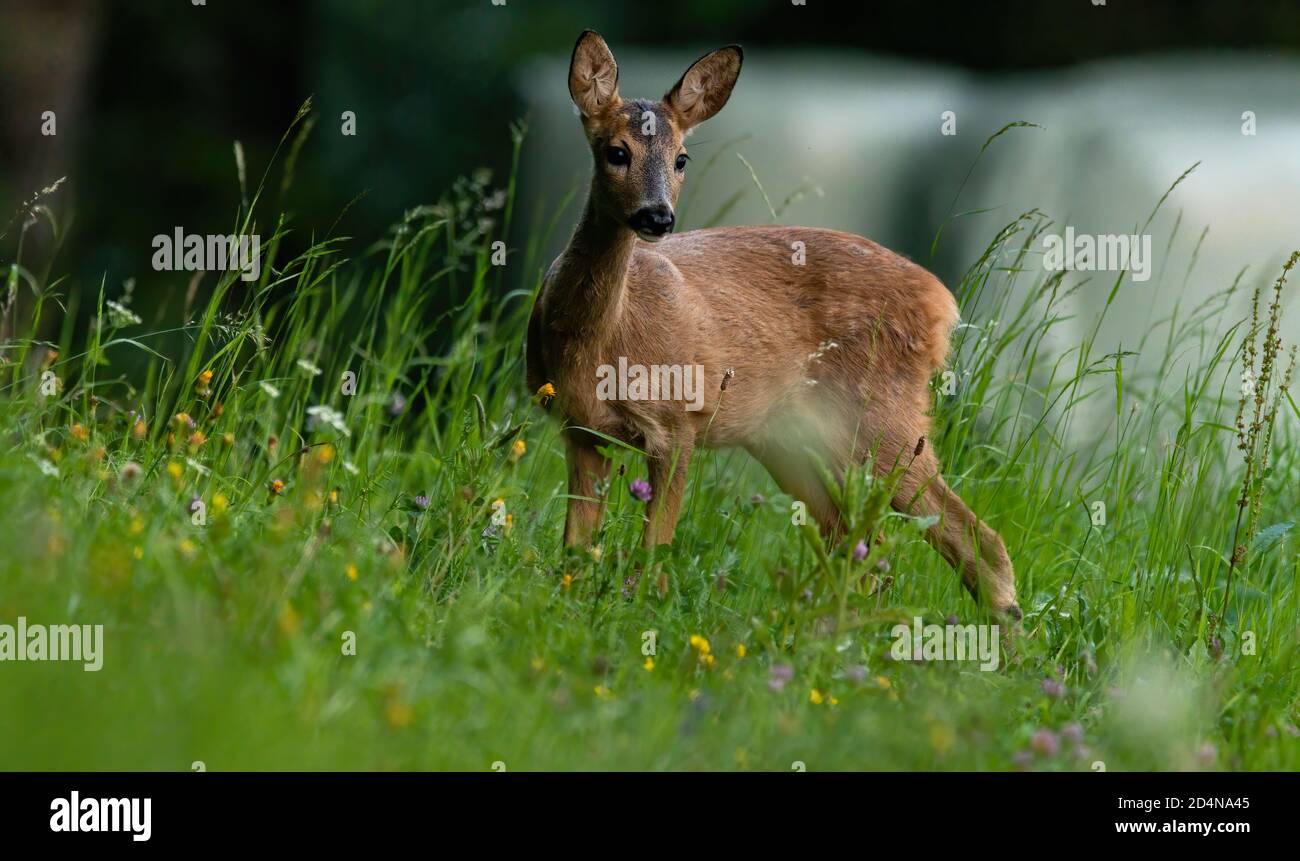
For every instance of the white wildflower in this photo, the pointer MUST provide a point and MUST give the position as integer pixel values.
(330, 416)
(119, 315)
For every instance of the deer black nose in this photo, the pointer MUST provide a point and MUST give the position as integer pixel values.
(655, 220)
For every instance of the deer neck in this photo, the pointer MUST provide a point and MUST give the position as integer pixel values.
(593, 275)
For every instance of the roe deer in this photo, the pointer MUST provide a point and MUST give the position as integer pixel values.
(833, 355)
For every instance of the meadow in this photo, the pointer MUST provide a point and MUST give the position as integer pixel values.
(319, 517)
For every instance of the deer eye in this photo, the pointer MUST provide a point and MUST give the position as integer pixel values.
(616, 156)
(681, 161)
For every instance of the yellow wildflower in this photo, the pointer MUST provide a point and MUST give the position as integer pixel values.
(699, 644)
(649, 664)
(175, 470)
(815, 697)
(288, 620)
(517, 450)
(398, 714)
(351, 571)
(139, 429)
(740, 650)
(220, 503)
(79, 432)
(942, 738)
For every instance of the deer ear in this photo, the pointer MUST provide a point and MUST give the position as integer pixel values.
(593, 75)
(706, 86)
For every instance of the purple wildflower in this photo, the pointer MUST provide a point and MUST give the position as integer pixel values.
(1053, 688)
(779, 676)
(422, 502)
(860, 551)
(1045, 742)
(1073, 733)
(641, 489)
(396, 403)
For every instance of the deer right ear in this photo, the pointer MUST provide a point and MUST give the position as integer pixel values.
(593, 76)
(706, 86)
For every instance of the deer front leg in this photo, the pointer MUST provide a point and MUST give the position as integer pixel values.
(667, 485)
(586, 467)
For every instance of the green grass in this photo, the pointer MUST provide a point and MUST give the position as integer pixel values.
(224, 641)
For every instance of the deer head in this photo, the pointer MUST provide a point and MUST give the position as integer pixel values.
(639, 146)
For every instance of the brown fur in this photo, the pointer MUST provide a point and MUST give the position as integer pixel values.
(835, 354)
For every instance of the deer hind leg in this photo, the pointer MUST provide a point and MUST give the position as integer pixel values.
(796, 473)
(974, 550)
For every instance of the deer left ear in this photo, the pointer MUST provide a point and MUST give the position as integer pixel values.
(706, 86)
(593, 76)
